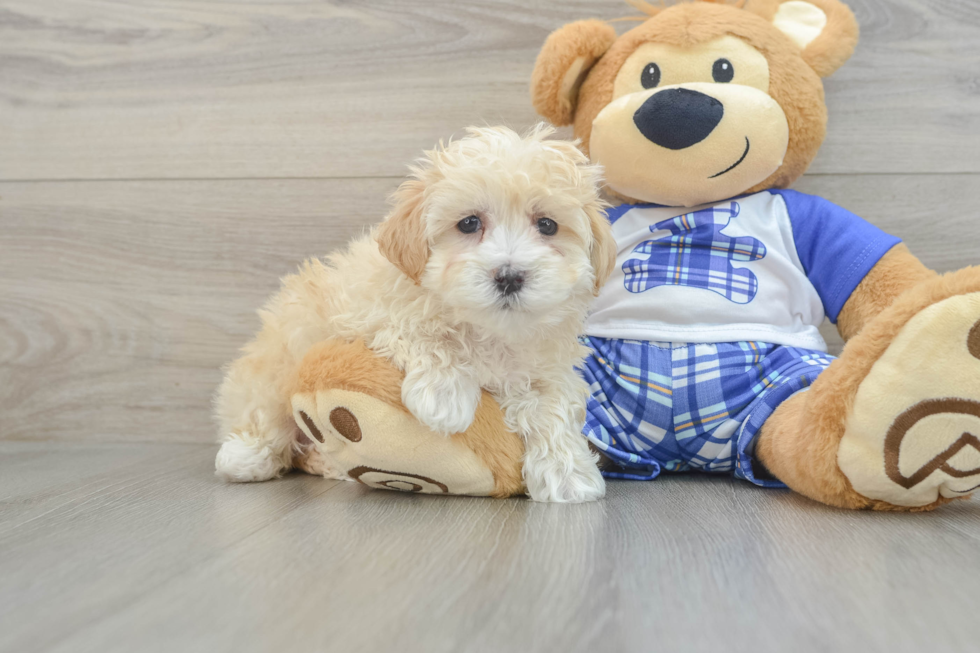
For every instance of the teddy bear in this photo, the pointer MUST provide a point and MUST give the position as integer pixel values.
(704, 348)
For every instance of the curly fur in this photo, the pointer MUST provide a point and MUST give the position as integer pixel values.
(421, 294)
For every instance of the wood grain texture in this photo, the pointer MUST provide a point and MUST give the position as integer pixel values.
(93, 89)
(121, 301)
(85, 530)
(227, 140)
(138, 548)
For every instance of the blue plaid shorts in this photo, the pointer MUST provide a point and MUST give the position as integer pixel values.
(678, 407)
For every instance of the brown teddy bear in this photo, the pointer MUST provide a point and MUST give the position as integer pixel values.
(705, 349)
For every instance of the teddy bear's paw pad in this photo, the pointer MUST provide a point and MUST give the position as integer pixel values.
(358, 437)
(914, 431)
(345, 424)
(341, 419)
(331, 426)
(973, 341)
(383, 479)
(311, 428)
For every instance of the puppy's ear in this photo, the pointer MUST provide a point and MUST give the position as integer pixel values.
(825, 30)
(565, 59)
(602, 254)
(401, 237)
(602, 249)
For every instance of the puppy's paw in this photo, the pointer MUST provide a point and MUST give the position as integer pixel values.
(445, 404)
(242, 460)
(557, 480)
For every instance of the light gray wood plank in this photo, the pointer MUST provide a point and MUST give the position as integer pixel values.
(165, 559)
(174, 89)
(120, 301)
(85, 529)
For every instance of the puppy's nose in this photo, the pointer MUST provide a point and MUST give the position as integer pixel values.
(508, 280)
(677, 118)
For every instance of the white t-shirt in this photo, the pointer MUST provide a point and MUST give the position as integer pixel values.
(765, 267)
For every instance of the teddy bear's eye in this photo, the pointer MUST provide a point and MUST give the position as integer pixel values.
(651, 76)
(723, 71)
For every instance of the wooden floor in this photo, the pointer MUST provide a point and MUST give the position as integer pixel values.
(134, 547)
(164, 162)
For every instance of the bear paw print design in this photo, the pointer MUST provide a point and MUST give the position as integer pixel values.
(355, 436)
(914, 432)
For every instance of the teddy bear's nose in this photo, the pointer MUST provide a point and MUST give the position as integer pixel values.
(677, 118)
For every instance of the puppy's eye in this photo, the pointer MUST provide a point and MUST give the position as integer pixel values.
(470, 224)
(547, 226)
(723, 71)
(651, 76)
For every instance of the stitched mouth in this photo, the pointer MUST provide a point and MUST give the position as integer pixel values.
(736, 164)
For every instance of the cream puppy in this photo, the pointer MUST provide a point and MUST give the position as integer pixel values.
(480, 277)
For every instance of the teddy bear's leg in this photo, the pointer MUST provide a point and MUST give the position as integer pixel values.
(894, 423)
(352, 425)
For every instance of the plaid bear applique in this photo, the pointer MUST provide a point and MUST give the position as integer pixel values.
(696, 253)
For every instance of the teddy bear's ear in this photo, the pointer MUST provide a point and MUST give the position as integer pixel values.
(562, 65)
(825, 30)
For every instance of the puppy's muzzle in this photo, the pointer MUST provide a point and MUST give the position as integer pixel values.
(677, 118)
(508, 280)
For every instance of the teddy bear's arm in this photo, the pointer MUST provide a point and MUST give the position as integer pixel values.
(897, 271)
(857, 269)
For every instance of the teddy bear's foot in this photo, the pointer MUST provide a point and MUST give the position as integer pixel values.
(894, 423)
(354, 427)
(357, 437)
(913, 435)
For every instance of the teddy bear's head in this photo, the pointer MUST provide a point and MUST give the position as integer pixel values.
(702, 101)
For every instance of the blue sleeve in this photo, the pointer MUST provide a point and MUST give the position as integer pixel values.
(836, 247)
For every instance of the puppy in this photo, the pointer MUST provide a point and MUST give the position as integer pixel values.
(480, 277)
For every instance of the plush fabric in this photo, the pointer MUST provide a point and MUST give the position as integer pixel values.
(796, 259)
(897, 271)
(635, 169)
(837, 249)
(913, 435)
(664, 110)
(565, 59)
(712, 105)
(392, 449)
(794, 85)
(799, 444)
(347, 405)
(678, 407)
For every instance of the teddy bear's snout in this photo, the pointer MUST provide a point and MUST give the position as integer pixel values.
(677, 118)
